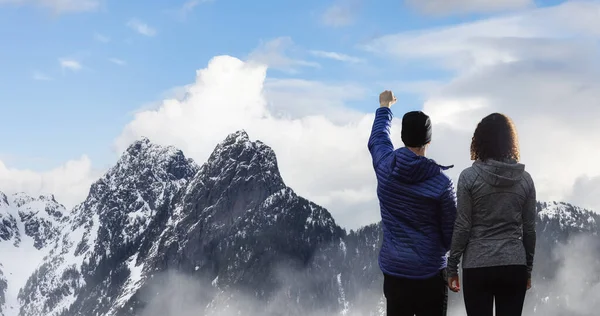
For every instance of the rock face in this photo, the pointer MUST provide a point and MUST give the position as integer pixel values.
(160, 235)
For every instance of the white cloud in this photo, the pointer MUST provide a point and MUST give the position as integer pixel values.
(101, 38)
(444, 7)
(539, 67)
(40, 76)
(497, 40)
(586, 192)
(296, 98)
(59, 6)
(553, 111)
(190, 5)
(117, 61)
(276, 54)
(336, 56)
(320, 155)
(141, 27)
(549, 86)
(70, 183)
(70, 64)
(422, 88)
(341, 13)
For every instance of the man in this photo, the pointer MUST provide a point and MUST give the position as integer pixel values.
(418, 209)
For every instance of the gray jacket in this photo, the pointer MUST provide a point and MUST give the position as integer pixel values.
(495, 224)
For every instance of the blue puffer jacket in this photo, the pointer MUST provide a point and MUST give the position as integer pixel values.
(418, 206)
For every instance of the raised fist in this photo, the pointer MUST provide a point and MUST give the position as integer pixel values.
(387, 98)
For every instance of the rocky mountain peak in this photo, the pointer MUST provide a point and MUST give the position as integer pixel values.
(146, 168)
(238, 153)
(165, 162)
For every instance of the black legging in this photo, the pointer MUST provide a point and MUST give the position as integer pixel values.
(506, 285)
(406, 297)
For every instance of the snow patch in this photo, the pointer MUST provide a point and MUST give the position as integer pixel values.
(342, 300)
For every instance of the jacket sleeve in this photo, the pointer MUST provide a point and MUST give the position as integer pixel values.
(380, 143)
(448, 216)
(529, 233)
(462, 226)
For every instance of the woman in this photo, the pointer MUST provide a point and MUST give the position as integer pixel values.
(494, 230)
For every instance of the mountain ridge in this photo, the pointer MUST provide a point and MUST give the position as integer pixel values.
(230, 223)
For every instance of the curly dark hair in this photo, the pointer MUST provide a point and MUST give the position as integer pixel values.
(495, 138)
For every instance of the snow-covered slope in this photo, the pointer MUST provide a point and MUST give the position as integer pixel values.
(28, 226)
(561, 216)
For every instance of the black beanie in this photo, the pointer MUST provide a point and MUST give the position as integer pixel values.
(416, 129)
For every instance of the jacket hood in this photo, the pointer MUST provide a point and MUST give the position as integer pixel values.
(499, 173)
(412, 168)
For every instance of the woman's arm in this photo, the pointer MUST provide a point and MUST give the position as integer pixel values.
(462, 225)
(529, 216)
(448, 215)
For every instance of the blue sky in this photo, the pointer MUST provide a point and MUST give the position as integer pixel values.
(74, 72)
(47, 122)
(50, 121)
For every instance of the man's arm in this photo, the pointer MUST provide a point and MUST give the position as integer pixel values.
(380, 143)
(529, 237)
(462, 226)
(448, 215)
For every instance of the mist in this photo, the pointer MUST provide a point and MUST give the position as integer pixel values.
(173, 293)
(574, 290)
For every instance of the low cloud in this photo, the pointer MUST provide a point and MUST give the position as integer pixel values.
(176, 293)
(70, 183)
(574, 290)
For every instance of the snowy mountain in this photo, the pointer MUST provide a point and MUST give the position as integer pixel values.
(160, 235)
(94, 257)
(27, 227)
